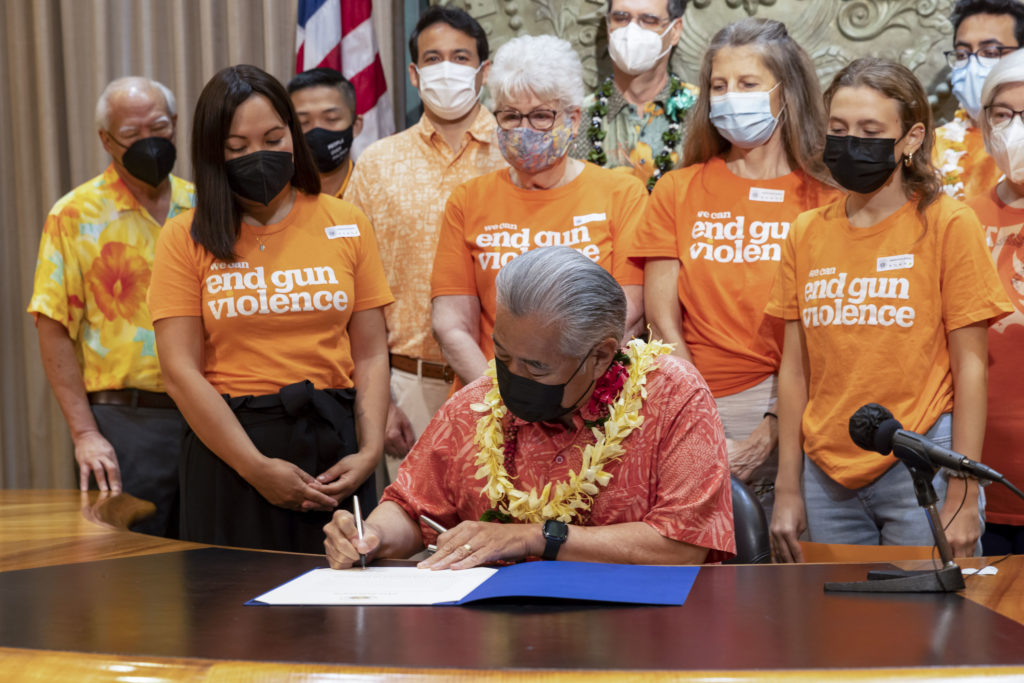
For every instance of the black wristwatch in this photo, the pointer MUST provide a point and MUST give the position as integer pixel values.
(555, 533)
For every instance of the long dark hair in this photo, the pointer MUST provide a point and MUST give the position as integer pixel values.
(897, 82)
(218, 218)
(802, 123)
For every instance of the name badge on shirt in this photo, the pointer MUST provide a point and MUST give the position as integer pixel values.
(901, 262)
(336, 231)
(580, 220)
(763, 194)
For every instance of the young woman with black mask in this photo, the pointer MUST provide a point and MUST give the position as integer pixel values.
(887, 295)
(268, 306)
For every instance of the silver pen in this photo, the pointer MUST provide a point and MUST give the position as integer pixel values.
(359, 526)
(432, 524)
(436, 527)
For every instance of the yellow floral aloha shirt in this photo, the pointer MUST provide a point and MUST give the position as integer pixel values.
(95, 258)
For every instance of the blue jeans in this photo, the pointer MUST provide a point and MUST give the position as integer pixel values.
(884, 512)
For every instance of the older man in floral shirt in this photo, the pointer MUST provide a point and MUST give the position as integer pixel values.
(587, 451)
(89, 303)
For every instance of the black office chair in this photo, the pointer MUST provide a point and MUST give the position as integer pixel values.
(752, 543)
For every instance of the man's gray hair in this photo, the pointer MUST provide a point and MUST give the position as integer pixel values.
(560, 283)
(125, 83)
(544, 66)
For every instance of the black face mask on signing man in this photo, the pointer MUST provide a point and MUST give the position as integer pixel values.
(149, 159)
(531, 400)
(860, 165)
(260, 176)
(330, 148)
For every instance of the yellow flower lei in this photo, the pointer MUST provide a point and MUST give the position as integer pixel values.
(567, 498)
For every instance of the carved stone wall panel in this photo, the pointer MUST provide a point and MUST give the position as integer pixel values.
(834, 32)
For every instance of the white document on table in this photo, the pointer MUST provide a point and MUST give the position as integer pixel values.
(377, 586)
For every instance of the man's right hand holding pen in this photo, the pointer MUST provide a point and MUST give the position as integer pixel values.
(387, 532)
(343, 544)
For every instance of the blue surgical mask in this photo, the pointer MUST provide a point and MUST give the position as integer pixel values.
(967, 81)
(744, 118)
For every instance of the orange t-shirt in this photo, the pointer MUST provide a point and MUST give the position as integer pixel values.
(489, 220)
(877, 305)
(727, 233)
(279, 312)
(1004, 430)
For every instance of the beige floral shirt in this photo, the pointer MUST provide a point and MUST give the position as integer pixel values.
(402, 184)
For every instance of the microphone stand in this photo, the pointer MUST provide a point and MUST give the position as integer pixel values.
(945, 580)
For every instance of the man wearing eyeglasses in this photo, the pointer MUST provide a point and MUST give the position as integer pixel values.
(636, 118)
(89, 302)
(984, 32)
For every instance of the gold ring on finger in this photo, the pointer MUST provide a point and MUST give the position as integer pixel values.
(468, 548)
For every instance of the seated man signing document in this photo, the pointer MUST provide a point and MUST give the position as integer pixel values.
(568, 447)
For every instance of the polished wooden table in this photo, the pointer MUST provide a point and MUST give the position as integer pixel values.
(80, 601)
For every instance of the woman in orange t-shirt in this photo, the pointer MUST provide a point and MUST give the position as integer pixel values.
(544, 199)
(1001, 212)
(713, 230)
(887, 295)
(267, 305)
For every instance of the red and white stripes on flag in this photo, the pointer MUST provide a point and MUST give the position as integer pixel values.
(339, 34)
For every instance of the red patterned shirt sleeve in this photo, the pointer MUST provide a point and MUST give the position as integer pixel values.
(692, 501)
(436, 477)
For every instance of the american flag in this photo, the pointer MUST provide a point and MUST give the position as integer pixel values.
(339, 34)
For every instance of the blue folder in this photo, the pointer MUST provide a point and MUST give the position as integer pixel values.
(637, 584)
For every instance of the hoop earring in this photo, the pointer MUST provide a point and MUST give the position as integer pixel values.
(908, 159)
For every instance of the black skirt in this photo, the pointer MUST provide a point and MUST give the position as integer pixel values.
(312, 428)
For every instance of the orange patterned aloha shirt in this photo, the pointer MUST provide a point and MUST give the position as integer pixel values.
(402, 183)
(92, 274)
(674, 476)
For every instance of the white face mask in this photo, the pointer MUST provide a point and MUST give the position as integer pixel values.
(744, 118)
(1006, 145)
(448, 89)
(636, 50)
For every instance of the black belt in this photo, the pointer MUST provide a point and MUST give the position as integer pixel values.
(136, 398)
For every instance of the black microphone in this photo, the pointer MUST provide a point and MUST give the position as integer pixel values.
(873, 428)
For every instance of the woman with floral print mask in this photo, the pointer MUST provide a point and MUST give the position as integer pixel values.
(544, 199)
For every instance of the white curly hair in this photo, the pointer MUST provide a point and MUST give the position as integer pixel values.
(544, 66)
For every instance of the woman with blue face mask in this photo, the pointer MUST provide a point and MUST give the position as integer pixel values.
(545, 198)
(713, 231)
